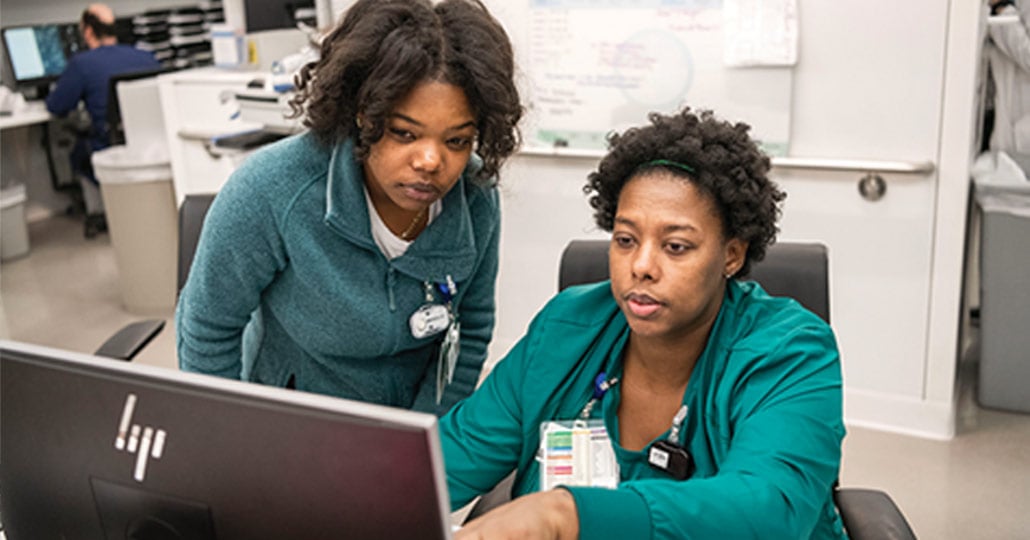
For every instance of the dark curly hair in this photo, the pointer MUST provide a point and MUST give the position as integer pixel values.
(727, 165)
(382, 49)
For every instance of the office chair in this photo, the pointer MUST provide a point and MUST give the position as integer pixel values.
(789, 269)
(71, 138)
(799, 271)
(125, 344)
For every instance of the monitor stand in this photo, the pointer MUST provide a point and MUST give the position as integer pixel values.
(35, 91)
(136, 514)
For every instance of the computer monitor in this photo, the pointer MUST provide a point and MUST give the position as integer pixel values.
(95, 448)
(277, 14)
(38, 54)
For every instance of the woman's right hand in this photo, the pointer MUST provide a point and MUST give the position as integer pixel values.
(546, 515)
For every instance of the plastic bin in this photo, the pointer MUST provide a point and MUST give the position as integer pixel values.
(139, 201)
(1003, 196)
(14, 233)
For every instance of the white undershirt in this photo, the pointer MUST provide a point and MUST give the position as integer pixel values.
(390, 244)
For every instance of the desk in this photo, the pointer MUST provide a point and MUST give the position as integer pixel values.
(34, 113)
(25, 161)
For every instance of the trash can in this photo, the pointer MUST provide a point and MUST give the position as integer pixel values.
(14, 233)
(139, 201)
(1003, 196)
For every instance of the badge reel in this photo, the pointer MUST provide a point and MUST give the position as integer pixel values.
(428, 320)
(668, 455)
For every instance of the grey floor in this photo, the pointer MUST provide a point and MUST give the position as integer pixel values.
(65, 294)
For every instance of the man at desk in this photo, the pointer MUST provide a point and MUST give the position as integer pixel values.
(86, 79)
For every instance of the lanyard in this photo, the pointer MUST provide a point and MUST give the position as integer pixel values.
(667, 455)
(601, 385)
(447, 289)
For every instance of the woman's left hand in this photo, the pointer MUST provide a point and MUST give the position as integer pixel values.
(545, 515)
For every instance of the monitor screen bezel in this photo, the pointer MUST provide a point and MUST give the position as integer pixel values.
(231, 390)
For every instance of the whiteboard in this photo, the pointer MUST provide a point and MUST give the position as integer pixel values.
(593, 66)
(589, 67)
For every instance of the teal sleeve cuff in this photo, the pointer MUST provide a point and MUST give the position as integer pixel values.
(611, 513)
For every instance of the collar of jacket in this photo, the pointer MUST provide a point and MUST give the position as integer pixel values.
(446, 247)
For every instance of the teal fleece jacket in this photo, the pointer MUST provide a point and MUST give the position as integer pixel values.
(764, 425)
(288, 283)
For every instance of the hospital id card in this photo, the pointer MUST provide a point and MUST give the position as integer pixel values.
(577, 453)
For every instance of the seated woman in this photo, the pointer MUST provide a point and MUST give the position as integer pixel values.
(676, 400)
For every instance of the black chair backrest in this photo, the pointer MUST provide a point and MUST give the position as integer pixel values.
(191, 220)
(128, 341)
(797, 270)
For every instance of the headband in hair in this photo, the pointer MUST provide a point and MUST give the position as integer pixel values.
(667, 163)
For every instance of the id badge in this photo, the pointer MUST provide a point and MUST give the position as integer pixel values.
(448, 359)
(577, 453)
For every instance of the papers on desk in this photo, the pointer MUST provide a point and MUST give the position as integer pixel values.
(11, 102)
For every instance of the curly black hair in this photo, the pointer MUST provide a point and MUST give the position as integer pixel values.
(382, 49)
(726, 164)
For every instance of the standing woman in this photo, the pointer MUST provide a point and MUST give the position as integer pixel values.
(359, 258)
(676, 400)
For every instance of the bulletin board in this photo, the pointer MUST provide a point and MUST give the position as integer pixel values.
(594, 66)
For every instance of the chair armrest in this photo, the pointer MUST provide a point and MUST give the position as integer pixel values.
(500, 494)
(129, 340)
(871, 514)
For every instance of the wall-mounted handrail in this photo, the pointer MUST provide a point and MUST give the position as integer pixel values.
(823, 164)
(859, 165)
(562, 151)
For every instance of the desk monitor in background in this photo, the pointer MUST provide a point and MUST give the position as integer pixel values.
(95, 448)
(38, 54)
(277, 14)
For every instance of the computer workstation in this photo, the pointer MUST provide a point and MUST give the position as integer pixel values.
(128, 450)
(36, 55)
